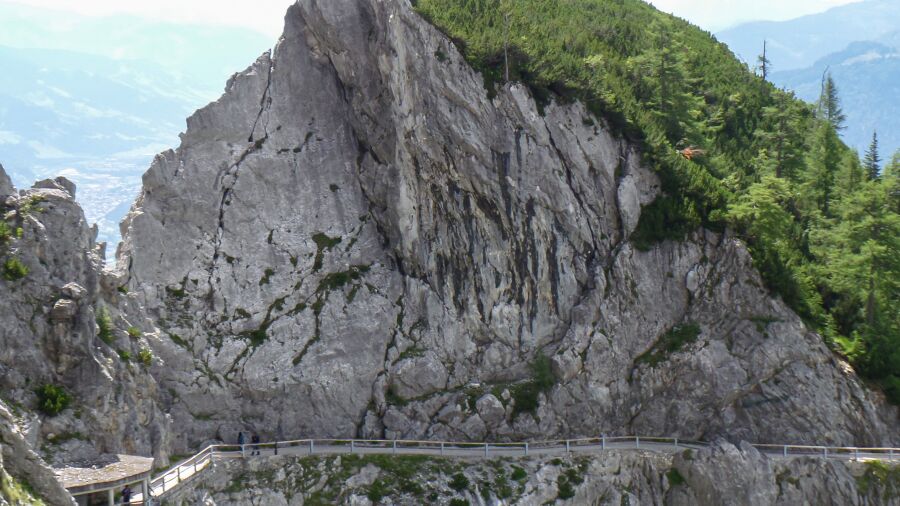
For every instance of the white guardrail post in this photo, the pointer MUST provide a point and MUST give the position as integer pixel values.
(485, 450)
(311, 446)
(394, 450)
(603, 442)
(784, 451)
(637, 442)
(676, 442)
(567, 446)
(442, 449)
(526, 449)
(352, 446)
(856, 453)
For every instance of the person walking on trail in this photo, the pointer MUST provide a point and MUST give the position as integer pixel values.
(126, 495)
(255, 444)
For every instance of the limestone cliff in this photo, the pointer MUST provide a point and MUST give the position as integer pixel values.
(52, 300)
(357, 240)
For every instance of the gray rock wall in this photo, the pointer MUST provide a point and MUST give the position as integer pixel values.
(356, 240)
(24, 474)
(49, 335)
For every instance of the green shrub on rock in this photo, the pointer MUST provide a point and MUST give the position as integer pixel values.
(14, 270)
(52, 399)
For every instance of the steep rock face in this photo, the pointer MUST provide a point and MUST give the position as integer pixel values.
(20, 465)
(6, 186)
(48, 334)
(357, 240)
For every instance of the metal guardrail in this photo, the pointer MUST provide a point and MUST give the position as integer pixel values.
(188, 468)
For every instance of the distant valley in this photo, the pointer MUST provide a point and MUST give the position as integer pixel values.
(98, 112)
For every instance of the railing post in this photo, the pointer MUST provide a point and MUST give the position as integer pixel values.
(526, 449)
(603, 442)
(856, 453)
(676, 442)
(567, 446)
(784, 451)
(442, 449)
(637, 442)
(825, 451)
(352, 446)
(243, 451)
(311, 446)
(178, 470)
(394, 450)
(485, 450)
(891, 454)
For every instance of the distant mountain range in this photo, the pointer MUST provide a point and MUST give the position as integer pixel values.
(868, 79)
(800, 42)
(95, 99)
(859, 44)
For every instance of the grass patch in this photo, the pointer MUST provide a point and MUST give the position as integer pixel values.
(145, 357)
(670, 342)
(267, 275)
(105, 326)
(518, 474)
(675, 478)
(337, 280)
(880, 476)
(392, 398)
(18, 492)
(178, 340)
(323, 244)
(134, 332)
(458, 482)
(411, 352)
(527, 395)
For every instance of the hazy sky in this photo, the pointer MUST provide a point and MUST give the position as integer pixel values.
(716, 15)
(267, 15)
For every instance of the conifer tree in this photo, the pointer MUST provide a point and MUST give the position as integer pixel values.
(765, 65)
(872, 161)
(830, 104)
(825, 162)
(783, 136)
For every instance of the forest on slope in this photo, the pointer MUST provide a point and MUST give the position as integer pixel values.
(732, 150)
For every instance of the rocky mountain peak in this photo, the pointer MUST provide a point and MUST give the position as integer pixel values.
(357, 240)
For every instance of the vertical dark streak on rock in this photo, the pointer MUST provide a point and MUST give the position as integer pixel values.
(264, 102)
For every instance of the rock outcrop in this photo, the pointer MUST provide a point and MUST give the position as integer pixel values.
(356, 238)
(24, 476)
(52, 299)
(721, 475)
(6, 186)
